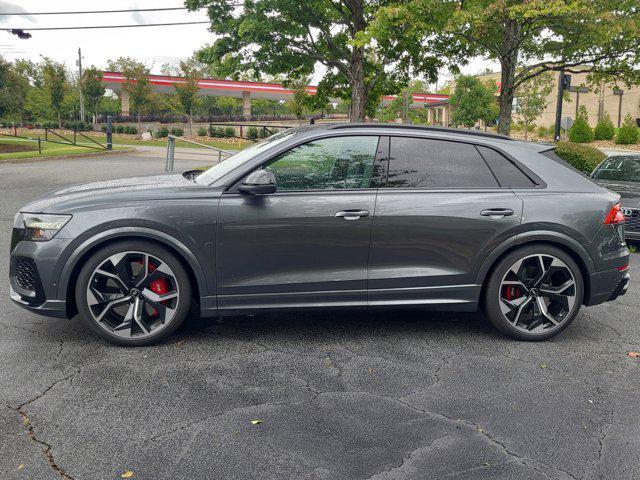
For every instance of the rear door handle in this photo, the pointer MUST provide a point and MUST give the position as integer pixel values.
(352, 214)
(497, 212)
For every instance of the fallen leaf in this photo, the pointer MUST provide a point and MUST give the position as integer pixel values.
(633, 354)
(21, 466)
(179, 343)
(543, 365)
(256, 422)
(127, 474)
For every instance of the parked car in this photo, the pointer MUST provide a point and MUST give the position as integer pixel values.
(621, 174)
(348, 215)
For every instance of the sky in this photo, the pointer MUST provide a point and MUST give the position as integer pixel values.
(152, 45)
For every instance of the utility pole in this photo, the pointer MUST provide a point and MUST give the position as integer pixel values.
(80, 84)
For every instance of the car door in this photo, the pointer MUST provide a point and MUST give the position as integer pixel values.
(307, 244)
(438, 215)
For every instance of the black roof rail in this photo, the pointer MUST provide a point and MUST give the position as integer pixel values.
(424, 128)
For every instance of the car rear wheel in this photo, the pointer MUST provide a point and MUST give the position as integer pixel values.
(534, 293)
(133, 293)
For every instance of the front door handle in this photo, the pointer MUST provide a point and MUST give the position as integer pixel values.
(497, 212)
(352, 214)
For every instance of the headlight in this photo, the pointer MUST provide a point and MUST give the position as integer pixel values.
(43, 227)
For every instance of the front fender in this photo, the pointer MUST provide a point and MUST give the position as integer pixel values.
(71, 261)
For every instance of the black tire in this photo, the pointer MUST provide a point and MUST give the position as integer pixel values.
(492, 292)
(181, 277)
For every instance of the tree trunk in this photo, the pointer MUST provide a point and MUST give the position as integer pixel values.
(138, 121)
(190, 123)
(508, 62)
(358, 89)
(59, 120)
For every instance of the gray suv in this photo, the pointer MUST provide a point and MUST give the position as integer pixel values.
(348, 215)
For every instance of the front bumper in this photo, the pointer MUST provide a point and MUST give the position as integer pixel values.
(34, 271)
(48, 308)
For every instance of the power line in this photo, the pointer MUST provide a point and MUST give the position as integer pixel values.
(165, 9)
(29, 29)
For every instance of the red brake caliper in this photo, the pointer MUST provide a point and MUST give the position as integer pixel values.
(158, 286)
(511, 293)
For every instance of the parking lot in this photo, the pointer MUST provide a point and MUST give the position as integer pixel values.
(330, 395)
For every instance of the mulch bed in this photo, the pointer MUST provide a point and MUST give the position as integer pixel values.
(16, 148)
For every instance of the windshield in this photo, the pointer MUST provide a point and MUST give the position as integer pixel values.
(623, 169)
(221, 169)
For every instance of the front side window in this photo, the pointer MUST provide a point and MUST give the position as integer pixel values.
(326, 164)
(624, 169)
(434, 164)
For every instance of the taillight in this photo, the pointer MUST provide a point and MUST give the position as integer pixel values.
(615, 216)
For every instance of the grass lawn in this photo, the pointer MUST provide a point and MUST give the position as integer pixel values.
(162, 142)
(11, 148)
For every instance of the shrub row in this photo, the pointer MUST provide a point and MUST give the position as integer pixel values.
(581, 131)
(582, 157)
(128, 129)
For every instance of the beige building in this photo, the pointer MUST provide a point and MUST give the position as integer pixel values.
(596, 102)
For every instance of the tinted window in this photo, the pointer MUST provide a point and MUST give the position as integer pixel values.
(426, 163)
(626, 169)
(328, 163)
(506, 172)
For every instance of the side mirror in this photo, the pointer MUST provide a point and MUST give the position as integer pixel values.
(260, 182)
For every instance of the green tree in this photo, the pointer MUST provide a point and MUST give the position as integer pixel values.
(93, 89)
(282, 36)
(580, 131)
(298, 103)
(55, 84)
(628, 131)
(136, 82)
(187, 92)
(532, 98)
(13, 90)
(472, 100)
(604, 128)
(527, 38)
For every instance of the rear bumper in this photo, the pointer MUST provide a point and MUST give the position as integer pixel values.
(606, 286)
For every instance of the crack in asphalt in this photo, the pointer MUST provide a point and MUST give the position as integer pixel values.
(28, 425)
(522, 460)
(408, 458)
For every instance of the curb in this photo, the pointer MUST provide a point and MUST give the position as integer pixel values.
(105, 153)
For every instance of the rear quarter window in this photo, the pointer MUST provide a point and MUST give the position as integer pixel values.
(504, 170)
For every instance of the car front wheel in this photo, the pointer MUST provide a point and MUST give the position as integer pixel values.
(133, 293)
(534, 292)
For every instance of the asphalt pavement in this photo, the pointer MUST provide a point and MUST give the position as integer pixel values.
(330, 395)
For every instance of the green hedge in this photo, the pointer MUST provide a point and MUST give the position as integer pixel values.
(582, 157)
(580, 131)
(604, 129)
(628, 132)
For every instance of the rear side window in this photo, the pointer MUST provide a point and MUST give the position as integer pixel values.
(428, 163)
(506, 172)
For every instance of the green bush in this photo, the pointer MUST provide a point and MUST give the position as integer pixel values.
(582, 157)
(130, 129)
(264, 133)
(604, 129)
(252, 133)
(628, 132)
(545, 131)
(202, 132)
(229, 132)
(580, 131)
(119, 128)
(177, 132)
(162, 132)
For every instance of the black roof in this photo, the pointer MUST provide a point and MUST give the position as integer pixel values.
(424, 128)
